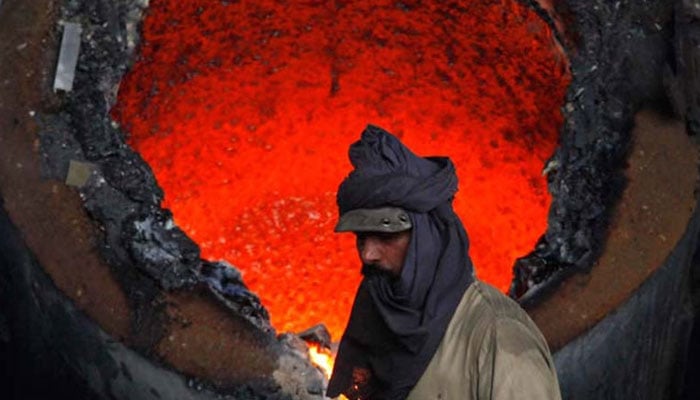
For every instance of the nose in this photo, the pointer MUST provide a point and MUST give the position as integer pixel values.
(370, 251)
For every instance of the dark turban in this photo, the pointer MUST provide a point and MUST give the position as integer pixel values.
(396, 324)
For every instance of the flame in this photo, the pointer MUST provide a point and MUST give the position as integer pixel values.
(244, 110)
(322, 358)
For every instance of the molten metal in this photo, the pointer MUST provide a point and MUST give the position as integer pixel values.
(245, 110)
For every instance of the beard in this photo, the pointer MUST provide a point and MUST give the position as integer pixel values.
(374, 271)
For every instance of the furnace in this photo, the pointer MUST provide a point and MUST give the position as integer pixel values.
(149, 213)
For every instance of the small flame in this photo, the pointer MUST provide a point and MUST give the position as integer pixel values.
(322, 358)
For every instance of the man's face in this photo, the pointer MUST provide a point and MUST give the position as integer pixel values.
(383, 251)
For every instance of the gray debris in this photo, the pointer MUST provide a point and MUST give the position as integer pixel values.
(67, 57)
(317, 334)
(227, 284)
(162, 250)
(79, 172)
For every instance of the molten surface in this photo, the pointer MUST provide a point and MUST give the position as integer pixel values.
(245, 111)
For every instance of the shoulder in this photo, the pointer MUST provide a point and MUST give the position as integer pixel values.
(488, 342)
(484, 303)
(500, 321)
(498, 303)
(514, 359)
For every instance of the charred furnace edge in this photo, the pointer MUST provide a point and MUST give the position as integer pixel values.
(146, 251)
(623, 55)
(121, 192)
(46, 339)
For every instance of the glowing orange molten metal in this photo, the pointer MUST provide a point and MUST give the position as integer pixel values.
(245, 110)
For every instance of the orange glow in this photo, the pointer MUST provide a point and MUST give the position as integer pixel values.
(245, 111)
(321, 357)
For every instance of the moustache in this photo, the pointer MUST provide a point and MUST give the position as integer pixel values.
(374, 270)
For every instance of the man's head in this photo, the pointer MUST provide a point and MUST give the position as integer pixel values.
(383, 235)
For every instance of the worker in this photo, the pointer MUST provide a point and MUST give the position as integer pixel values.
(422, 326)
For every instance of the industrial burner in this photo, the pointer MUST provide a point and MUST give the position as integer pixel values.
(168, 173)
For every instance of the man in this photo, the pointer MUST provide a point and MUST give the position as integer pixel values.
(421, 326)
